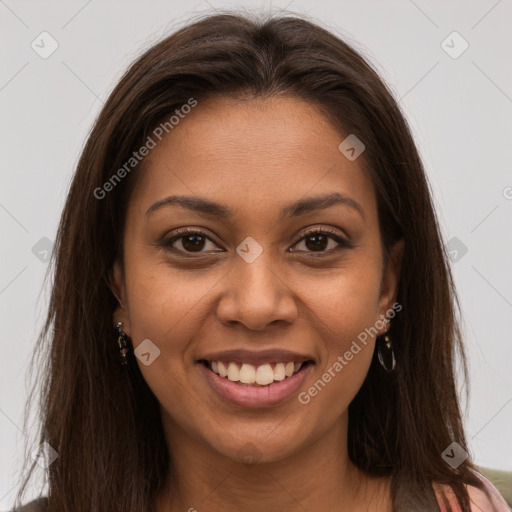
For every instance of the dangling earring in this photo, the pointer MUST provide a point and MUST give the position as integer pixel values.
(122, 342)
(386, 354)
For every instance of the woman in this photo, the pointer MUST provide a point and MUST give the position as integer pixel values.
(252, 307)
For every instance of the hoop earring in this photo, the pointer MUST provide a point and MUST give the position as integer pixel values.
(122, 343)
(386, 354)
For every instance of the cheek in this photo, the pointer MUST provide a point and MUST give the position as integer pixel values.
(347, 302)
(346, 355)
(170, 307)
(162, 300)
(344, 312)
(337, 382)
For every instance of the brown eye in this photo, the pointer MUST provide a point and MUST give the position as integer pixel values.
(322, 242)
(189, 241)
(193, 242)
(317, 242)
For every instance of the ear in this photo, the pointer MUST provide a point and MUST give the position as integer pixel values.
(118, 288)
(390, 280)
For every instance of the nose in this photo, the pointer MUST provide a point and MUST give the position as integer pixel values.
(256, 296)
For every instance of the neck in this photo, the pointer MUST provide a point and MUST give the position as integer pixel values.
(320, 476)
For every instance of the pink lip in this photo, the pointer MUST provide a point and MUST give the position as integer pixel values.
(252, 396)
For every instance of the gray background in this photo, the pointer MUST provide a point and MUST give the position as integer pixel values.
(459, 109)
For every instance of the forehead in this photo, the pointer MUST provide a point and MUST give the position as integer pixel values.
(253, 154)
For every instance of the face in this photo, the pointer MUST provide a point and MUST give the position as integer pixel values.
(275, 283)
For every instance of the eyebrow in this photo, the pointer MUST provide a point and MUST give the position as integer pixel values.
(300, 207)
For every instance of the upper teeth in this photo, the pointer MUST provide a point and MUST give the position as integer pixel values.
(249, 374)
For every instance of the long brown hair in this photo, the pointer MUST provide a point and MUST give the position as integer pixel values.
(104, 422)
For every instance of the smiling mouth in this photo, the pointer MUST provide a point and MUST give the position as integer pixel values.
(246, 374)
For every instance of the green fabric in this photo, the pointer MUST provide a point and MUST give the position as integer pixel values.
(502, 480)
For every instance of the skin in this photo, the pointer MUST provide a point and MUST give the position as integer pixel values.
(256, 156)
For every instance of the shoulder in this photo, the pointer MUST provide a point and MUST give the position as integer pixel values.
(481, 501)
(38, 505)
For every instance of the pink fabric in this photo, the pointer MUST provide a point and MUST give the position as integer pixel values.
(453, 502)
(497, 499)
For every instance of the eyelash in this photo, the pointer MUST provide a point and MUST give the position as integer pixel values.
(167, 242)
